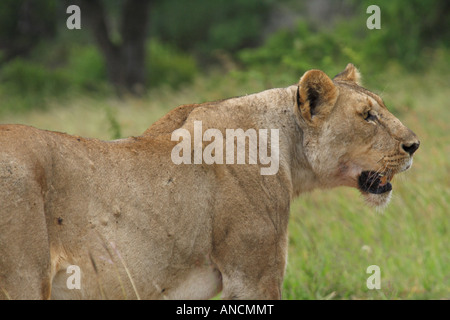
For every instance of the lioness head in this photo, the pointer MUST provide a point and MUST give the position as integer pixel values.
(349, 136)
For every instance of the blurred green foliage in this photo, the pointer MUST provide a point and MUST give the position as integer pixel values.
(409, 29)
(85, 69)
(202, 26)
(23, 24)
(26, 85)
(168, 65)
(186, 37)
(80, 69)
(295, 51)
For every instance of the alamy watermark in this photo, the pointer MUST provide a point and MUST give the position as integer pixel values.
(374, 21)
(235, 140)
(74, 20)
(74, 280)
(374, 281)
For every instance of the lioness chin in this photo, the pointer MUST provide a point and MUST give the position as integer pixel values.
(140, 226)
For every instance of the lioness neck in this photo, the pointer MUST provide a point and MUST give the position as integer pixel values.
(269, 109)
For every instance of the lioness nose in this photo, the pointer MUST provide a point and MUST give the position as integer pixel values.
(411, 147)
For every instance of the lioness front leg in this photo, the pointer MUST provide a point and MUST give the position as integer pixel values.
(252, 264)
(244, 286)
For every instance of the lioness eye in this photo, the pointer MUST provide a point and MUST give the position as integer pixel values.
(370, 116)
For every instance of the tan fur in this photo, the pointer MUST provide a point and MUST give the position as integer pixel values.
(140, 226)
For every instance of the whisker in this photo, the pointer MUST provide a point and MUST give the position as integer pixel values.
(381, 159)
(375, 173)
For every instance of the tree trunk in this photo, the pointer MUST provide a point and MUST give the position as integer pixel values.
(125, 62)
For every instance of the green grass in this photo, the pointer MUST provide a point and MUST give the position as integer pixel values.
(333, 236)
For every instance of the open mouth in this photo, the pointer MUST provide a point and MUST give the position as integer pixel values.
(374, 182)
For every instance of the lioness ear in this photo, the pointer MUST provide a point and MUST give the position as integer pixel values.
(350, 73)
(317, 95)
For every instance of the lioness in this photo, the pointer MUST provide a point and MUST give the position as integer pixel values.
(136, 225)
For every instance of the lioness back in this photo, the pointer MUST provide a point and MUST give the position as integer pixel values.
(70, 197)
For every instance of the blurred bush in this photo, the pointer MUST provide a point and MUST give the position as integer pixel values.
(409, 30)
(61, 70)
(23, 24)
(203, 26)
(26, 85)
(85, 69)
(186, 37)
(25, 77)
(295, 51)
(168, 66)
